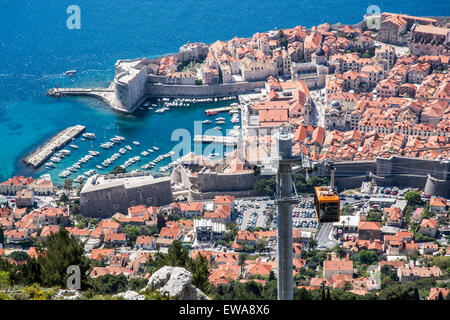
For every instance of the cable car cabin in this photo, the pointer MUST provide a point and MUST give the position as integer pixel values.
(327, 204)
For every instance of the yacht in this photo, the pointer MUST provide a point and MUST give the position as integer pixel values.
(156, 148)
(55, 159)
(94, 153)
(150, 150)
(99, 167)
(122, 150)
(206, 121)
(50, 164)
(220, 122)
(144, 153)
(89, 135)
(220, 119)
(136, 143)
(106, 145)
(128, 148)
(74, 146)
(70, 72)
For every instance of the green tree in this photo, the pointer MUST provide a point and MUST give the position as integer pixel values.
(413, 198)
(161, 222)
(68, 184)
(340, 252)
(260, 245)
(366, 257)
(5, 280)
(61, 251)
(178, 256)
(242, 257)
(118, 169)
(312, 243)
(265, 186)
(200, 273)
(109, 284)
(19, 256)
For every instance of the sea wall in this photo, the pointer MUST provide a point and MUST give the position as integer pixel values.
(201, 91)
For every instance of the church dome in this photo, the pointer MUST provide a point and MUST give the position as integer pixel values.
(335, 104)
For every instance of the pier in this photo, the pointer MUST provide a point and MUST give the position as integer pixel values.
(106, 94)
(41, 154)
(226, 140)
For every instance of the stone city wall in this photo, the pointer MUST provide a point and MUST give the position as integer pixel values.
(201, 91)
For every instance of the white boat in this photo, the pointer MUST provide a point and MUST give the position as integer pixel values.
(128, 148)
(55, 159)
(122, 150)
(106, 145)
(220, 119)
(144, 153)
(206, 121)
(150, 150)
(70, 72)
(74, 146)
(50, 164)
(220, 122)
(99, 167)
(89, 135)
(94, 153)
(218, 128)
(65, 152)
(136, 143)
(156, 148)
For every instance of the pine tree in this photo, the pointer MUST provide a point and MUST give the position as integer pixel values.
(61, 251)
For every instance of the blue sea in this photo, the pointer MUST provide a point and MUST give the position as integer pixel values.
(36, 48)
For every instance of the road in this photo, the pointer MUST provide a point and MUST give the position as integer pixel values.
(323, 240)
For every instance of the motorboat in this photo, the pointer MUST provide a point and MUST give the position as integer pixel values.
(220, 119)
(89, 135)
(206, 121)
(74, 146)
(128, 148)
(70, 72)
(137, 143)
(156, 148)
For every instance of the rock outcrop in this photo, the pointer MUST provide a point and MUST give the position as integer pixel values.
(130, 295)
(175, 282)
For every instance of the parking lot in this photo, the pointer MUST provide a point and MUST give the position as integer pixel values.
(304, 216)
(253, 213)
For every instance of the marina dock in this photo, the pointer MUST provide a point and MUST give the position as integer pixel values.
(217, 110)
(41, 154)
(226, 140)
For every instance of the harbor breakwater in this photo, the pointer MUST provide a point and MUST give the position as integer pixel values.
(41, 154)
